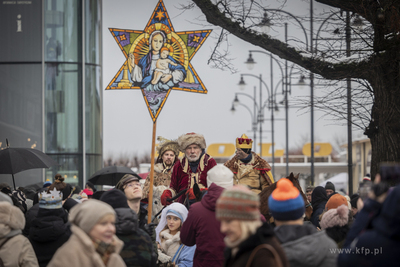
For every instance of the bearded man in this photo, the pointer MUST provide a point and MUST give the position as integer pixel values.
(249, 168)
(191, 170)
(168, 151)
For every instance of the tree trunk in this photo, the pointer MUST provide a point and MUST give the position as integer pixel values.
(384, 128)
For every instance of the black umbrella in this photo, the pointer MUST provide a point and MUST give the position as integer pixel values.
(110, 175)
(15, 160)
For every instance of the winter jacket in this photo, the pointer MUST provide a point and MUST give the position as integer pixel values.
(185, 257)
(364, 218)
(16, 250)
(380, 245)
(170, 245)
(79, 250)
(138, 247)
(182, 174)
(202, 229)
(48, 231)
(305, 246)
(318, 202)
(29, 217)
(263, 235)
(256, 174)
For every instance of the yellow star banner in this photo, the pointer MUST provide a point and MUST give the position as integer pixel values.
(158, 60)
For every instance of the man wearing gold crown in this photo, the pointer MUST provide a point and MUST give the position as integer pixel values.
(191, 170)
(249, 168)
(168, 151)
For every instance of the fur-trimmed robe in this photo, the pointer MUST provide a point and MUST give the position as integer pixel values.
(256, 174)
(182, 176)
(162, 176)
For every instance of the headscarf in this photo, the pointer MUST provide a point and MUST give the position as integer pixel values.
(318, 196)
(175, 209)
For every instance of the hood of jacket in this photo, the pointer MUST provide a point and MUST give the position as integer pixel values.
(210, 199)
(388, 221)
(310, 248)
(49, 225)
(126, 222)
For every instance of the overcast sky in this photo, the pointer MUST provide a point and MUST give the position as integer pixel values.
(128, 125)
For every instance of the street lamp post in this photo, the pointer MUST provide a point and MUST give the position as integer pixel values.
(270, 104)
(253, 115)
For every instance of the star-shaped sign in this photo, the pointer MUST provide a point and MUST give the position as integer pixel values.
(158, 60)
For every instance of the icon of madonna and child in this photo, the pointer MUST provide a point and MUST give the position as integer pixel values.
(156, 71)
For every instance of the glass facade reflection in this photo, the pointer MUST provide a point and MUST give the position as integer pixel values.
(50, 94)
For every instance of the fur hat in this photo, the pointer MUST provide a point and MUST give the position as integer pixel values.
(335, 217)
(87, 214)
(285, 202)
(126, 179)
(220, 175)
(191, 138)
(11, 216)
(166, 145)
(335, 201)
(330, 185)
(115, 198)
(238, 203)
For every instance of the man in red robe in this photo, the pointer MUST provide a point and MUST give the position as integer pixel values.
(191, 170)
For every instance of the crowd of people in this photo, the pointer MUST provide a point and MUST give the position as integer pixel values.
(210, 217)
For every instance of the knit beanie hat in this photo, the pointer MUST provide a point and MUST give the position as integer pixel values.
(126, 179)
(335, 201)
(220, 175)
(115, 198)
(87, 214)
(335, 217)
(46, 184)
(238, 203)
(285, 203)
(330, 185)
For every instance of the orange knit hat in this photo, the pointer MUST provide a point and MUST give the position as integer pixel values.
(335, 201)
(285, 203)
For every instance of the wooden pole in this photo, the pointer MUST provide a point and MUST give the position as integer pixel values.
(150, 199)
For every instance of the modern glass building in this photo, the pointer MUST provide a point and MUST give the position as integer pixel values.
(50, 85)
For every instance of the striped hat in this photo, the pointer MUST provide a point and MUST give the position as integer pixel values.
(238, 203)
(285, 203)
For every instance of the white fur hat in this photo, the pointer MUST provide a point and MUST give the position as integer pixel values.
(191, 138)
(220, 175)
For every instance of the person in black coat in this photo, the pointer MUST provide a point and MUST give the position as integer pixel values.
(318, 202)
(378, 243)
(49, 230)
(138, 248)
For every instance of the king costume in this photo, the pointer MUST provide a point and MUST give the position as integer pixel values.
(252, 171)
(185, 174)
(162, 172)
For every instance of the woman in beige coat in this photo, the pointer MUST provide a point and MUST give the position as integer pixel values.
(15, 249)
(93, 241)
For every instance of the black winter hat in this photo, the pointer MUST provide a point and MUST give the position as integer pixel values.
(353, 200)
(330, 185)
(115, 198)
